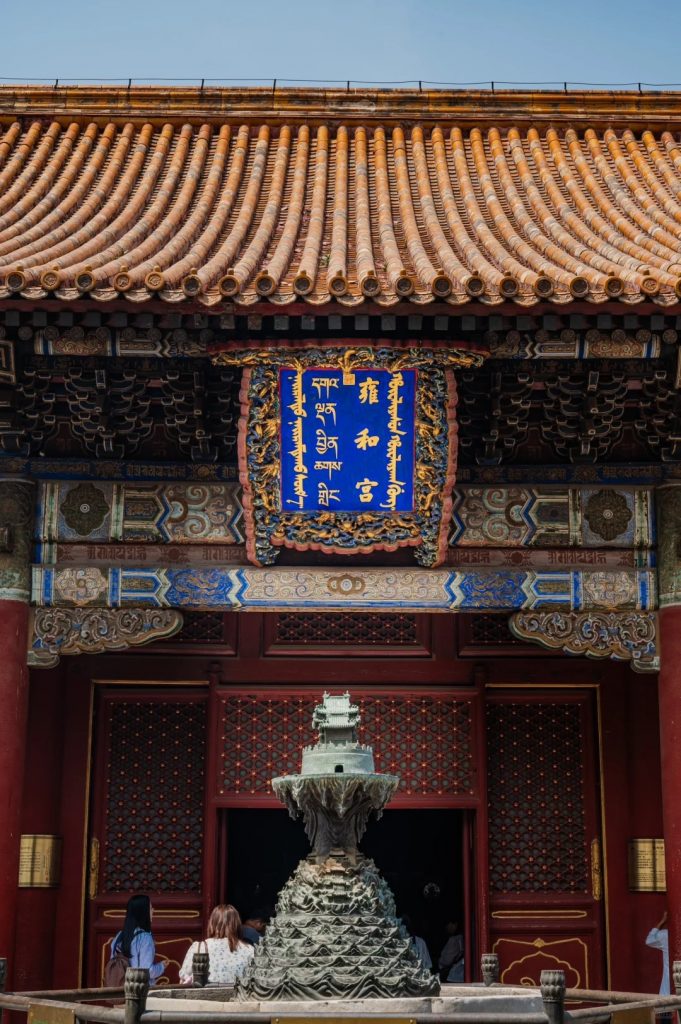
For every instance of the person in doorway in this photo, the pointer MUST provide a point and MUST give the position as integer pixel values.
(658, 938)
(418, 944)
(255, 925)
(135, 942)
(228, 953)
(451, 962)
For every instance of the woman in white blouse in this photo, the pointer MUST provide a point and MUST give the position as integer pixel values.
(229, 954)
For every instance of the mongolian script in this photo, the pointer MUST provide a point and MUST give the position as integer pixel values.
(347, 440)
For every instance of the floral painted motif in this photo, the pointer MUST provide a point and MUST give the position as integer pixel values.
(84, 509)
(81, 586)
(608, 514)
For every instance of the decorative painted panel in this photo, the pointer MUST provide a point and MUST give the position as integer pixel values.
(426, 740)
(152, 839)
(550, 558)
(589, 517)
(524, 958)
(127, 342)
(537, 826)
(142, 554)
(58, 468)
(169, 513)
(331, 589)
(634, 473)
(572, 344)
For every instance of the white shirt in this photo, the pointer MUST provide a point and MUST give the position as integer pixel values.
(658, 938)
(225, 966)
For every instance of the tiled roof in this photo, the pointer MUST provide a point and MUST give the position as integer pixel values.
(316, 210)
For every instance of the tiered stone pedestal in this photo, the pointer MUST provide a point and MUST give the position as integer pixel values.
(336, 935)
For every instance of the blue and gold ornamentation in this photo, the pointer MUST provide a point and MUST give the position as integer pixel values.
(622, 636)
(332, 525)
(422, 590)
(161, 513)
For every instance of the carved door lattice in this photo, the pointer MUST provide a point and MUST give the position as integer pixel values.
(537, 827)
(347, 628)
(201, 628)
(491, 631)
(153, 825)
(426, 741)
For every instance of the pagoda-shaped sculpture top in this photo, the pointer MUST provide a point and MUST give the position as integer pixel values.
(338, 789)
(337, 752)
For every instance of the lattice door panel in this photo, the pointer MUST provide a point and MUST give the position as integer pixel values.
(428, 740)
(346, 634)
(537, 831)
(148, 817)
(152, 838)
(544, 843)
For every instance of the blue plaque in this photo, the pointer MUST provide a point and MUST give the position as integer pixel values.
(347, 440)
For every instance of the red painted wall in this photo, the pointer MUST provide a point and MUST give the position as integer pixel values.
(14, 711)
(633, 809)
(36, 909)
(49, 932)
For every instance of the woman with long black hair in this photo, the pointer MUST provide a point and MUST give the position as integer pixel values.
(135, 941)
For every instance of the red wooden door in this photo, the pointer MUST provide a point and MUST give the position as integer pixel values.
(147, 819)
(546, 892)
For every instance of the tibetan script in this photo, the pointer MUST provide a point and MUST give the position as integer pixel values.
(347, 440)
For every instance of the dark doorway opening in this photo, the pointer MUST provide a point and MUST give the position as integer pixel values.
(419, 852)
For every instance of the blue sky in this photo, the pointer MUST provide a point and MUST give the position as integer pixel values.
(458, 41)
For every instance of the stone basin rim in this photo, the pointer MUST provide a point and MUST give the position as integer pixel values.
(337, 776)
(451, 998)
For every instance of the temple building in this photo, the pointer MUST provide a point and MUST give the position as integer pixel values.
(366, 391)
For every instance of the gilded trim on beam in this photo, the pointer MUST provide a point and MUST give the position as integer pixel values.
(427, 590)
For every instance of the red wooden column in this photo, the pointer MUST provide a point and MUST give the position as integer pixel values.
(669, 645)
(16, 527)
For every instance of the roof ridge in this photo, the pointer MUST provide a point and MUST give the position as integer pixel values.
(275, 103)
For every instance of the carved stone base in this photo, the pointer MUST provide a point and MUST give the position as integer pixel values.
(58, 631)
(336, 936)
(623, 636)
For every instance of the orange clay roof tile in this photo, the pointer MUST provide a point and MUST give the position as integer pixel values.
(425, 209)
